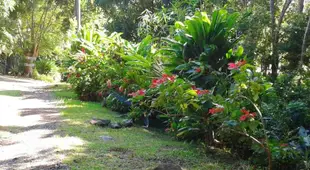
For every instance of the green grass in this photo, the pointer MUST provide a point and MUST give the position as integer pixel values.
(12, 93)
(133, 148)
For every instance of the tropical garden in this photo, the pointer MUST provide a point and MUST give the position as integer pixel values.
(228, 75)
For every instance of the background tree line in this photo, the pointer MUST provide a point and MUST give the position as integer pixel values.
(273, 32)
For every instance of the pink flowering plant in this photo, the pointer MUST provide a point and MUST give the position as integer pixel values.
(242, 103)
(188, 109)
(144, 97)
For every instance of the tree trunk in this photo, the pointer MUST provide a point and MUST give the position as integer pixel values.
(301, 6)
(28, 65)
(275, 32)
(6, 66)
(264, 66)
(284, 9)
(303, 47)
(29, 55)
(30, 58)
(274, 56)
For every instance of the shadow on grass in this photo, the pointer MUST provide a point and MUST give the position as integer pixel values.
(11, 93)
(131, 148)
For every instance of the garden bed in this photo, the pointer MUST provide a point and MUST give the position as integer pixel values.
(131, 148)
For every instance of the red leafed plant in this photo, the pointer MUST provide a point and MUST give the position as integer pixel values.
(163, 79)
(235, 66)
(246, 115)
(198, 70)
(140, 92)
(200, 92)
(216, 110)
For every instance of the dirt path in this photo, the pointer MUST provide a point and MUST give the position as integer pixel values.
(29, 119)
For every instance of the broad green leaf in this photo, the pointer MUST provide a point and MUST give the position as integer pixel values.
(253, 125)
(192, 92)
(239, 51)
(181, 133)
(255, 97)
(205, 18)
(179, 25)
(235, 114)
(243, 85)
(195, 105)
(182, 66)
(229, 53)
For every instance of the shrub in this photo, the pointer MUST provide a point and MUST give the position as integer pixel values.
(46, 70)
(44, 66)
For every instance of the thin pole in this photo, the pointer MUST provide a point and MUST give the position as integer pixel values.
(78, 13)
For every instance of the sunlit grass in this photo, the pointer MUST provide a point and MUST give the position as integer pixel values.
(132, 148)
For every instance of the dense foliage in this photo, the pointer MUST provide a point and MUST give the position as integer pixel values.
(199, 81)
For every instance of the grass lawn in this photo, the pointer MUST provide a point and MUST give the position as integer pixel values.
(133, 148)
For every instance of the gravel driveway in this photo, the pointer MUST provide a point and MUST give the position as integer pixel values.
(29, 120)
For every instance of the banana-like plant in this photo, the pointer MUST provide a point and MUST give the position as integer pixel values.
(90, 40)
(141, 57)
(202, 39)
